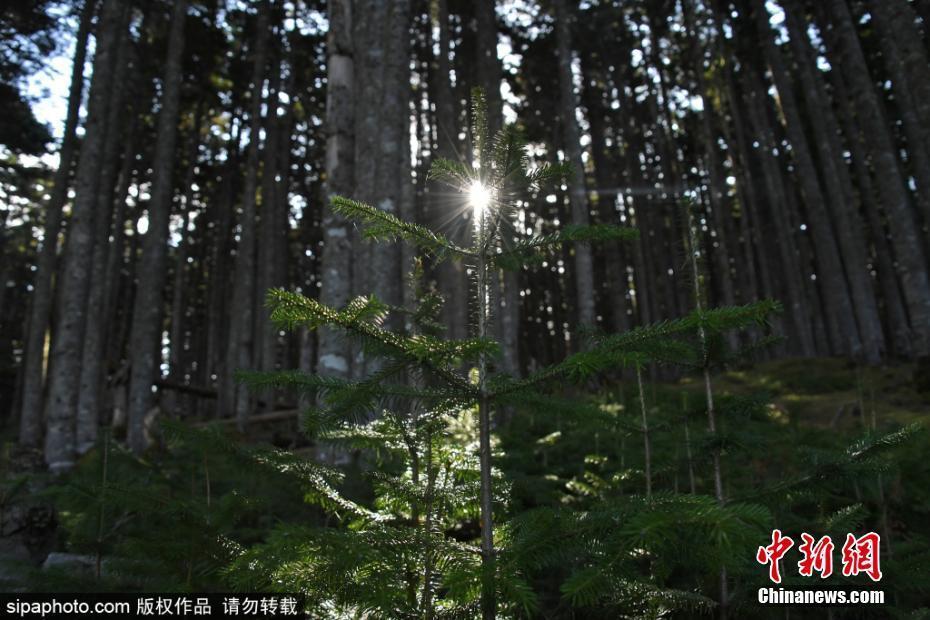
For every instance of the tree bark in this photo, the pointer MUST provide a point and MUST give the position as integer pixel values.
(910, 83)
(615, 265)
(394, 131)
(30, 427)
(265, 345)
(334, 356)
(571, 136)
(838, 184)
(73, 287)
(846, 54)
(148, 309)
(844, 333)
(94, 353)
(445, 215)
(719, 248)
(775, 187)
(234, 397)
(896, 323)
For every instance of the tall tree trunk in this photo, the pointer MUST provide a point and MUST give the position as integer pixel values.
(73, 286)
(333, 353)
(720, 249)
(910, 83)
(831, 279)
(775, 187)
(443, 215)
(571, 137)
(488, 66)
(615, 268)
(179, 291)
(838, 185)
(897, 328)
(394, 131)
(30, 427)
(897, 20)
(846, 54)
(116, 251)
(265, 332)
(94, 354)
(224, 214)
(148, 308)
(234, 396)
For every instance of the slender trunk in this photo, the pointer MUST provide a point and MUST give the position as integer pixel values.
(223, 211)
(488, 66)
(786, 244)
(897, 328)
(831, 278)
(179, 306)
(720, 249)
(148, 308)
(450, 274)
(264, 345)
(910, 82)
(647, 446)
(394, 141)
(846, 55)
(571, 137)
(30, 428)
(902, 28)
(93, 356)
(234, 397)
(333, 354)
(688, 454)
(73, 286)
(838, 186)
(615, 265)
(488, 570)
(709, 396)
(117, 249)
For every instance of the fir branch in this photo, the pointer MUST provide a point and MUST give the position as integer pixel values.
(630, 346)
(380, 225)
(292, 309)
(516, 256)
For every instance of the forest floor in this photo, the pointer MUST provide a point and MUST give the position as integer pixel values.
(824, 393)
(831, 392)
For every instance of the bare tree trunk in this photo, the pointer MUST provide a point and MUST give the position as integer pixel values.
(94, 353)
(234, 397)
(775, 188)
(488, 66)
(831, 279)
(179, 292)
(219, 277)
(117, 250)
(897, 328)
(394, 130)
(443, 215)
(30, 428)
(838, 185)
(584, 268)
(73, 287)
(148, 309)
(720, 249)
(265, 345)
(616, 275)
(333, 353)
(909, 81)
(846, 55)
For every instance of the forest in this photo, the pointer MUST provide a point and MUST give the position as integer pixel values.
(435, 309)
